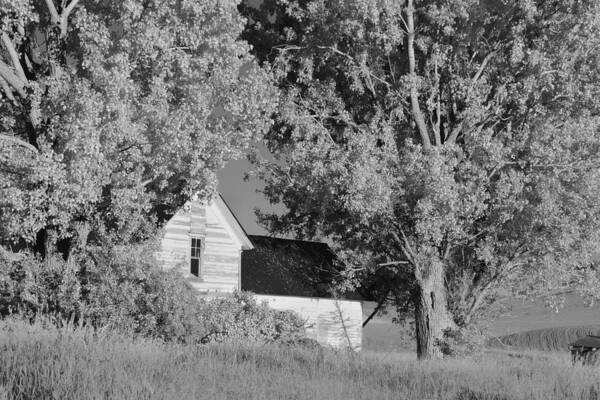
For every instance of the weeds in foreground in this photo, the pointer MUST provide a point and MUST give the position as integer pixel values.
(44, 362)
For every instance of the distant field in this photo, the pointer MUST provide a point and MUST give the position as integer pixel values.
(46, 363)
(549, 339)
(381, 335)
(524, 316)
(520, 317)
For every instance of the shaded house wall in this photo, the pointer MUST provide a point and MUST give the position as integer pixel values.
(288, 267)
(287, 274)
(298, 275)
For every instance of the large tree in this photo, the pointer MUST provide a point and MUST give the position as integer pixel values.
(450, 147)
(112, 111)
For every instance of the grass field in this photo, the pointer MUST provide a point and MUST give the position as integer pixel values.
(49, 363)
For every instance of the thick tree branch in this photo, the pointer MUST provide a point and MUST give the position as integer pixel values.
(14, 57)
(18, 142)
(12, 79)
(484, 64)
(414, 95)
(68, 9)
(7, 90)
(64, 18)
(406, 248)
(438, 107)
(405, 24)
(454, 134)
(54, 17)
(447, 250)
(391, 263)
(458, 129)
(380, 304)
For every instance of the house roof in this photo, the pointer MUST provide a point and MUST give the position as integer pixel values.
(587, 341)
(289, 267)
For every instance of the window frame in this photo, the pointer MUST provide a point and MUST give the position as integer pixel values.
(196, 253)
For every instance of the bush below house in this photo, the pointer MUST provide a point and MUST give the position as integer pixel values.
(124, 290)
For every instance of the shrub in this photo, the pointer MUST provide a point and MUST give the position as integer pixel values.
(29, 285)
(241, 316)
(123, 289)
(465, 341)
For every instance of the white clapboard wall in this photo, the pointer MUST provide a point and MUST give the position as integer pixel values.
(335, 323)
(221, 249)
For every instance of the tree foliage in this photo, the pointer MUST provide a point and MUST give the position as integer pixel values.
(114, 110)
(453, 144)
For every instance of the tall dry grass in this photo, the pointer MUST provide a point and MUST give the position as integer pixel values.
(39, 362)
(550, 339)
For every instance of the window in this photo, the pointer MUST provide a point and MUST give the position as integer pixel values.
(195, 256)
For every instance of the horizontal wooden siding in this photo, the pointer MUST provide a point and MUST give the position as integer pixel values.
(220, 264)
(221, 257)
(335, 323)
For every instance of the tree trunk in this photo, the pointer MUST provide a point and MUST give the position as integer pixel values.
(431, 313)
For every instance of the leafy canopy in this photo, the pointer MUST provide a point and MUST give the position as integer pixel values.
(113, 110)
(461, 133)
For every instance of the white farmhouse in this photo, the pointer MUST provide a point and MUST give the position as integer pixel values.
(209, 247)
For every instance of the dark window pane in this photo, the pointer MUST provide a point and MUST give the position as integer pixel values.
(195, 267)
(196, 252)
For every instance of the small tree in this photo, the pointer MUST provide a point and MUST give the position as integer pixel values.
(113, 111)
(453, 144)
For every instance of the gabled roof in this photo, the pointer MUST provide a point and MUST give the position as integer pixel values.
(587, 341)
(232, 222)
(289, 267)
